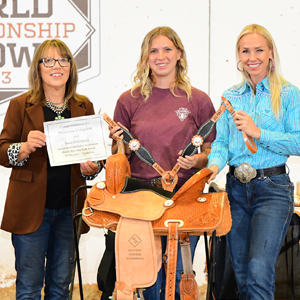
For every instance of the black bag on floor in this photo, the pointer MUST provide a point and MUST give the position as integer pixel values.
(288, 264)
(106, 275)
(225, 286)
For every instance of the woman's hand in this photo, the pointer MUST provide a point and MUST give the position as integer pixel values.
(115, 133)
(35, 139)
(245, 123)
(215, 170)
(187, 162)
(88, 168)
(197, 161)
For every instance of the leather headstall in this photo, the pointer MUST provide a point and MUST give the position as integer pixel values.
(170, 178)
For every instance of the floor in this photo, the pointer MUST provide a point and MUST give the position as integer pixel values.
(90, 292)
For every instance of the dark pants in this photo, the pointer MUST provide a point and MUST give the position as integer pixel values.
(45, 254)
(261, 213)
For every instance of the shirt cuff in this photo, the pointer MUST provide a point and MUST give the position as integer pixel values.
(265, 138)
(91, 177)
(217, 162)
(13, 153)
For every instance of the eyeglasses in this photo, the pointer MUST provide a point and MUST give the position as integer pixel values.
(49, 62)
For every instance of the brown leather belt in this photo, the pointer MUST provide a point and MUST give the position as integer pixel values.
(157, 182)
(261, 173)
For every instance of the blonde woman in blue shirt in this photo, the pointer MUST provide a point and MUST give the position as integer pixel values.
(259, 189)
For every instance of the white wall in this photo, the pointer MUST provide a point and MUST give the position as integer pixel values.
(208, 30)
(228, 18)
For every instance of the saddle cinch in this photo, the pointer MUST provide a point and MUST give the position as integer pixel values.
(141, 213)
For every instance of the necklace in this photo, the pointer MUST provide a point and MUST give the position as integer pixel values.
(57, 109)
(56, 104)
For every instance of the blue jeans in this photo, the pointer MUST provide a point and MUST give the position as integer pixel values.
(51, 242)
(261, 213)
(157, 291)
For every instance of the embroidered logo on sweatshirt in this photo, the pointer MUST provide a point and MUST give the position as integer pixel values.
(182, 113)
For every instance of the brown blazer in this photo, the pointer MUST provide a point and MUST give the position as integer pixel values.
(26, 194)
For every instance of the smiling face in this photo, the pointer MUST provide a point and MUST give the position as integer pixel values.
(163, 58)
(56, 77)
(255, 54)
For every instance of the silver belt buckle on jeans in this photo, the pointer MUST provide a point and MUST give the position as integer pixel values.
(244, 172)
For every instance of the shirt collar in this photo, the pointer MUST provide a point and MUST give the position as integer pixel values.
(244, 87)
(262, 85)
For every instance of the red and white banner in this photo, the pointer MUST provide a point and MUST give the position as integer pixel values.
(24, 25)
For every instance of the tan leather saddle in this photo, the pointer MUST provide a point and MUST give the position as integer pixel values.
(140, 214)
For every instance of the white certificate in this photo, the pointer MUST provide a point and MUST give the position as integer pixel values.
(76, 140)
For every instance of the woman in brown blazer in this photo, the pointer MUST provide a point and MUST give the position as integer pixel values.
(38, 204)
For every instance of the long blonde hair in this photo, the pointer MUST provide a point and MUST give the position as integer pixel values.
(276, 81)
(144, 81)
(36, 90)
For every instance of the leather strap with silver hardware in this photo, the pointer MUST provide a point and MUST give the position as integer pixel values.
(170, 178)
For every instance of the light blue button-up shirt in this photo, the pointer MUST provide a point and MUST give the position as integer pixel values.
(279, 138)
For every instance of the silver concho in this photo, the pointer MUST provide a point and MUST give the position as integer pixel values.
(197, 140)
(244, 172)
(134, 145)
(201, 199)
(101, 185)
(168, 202)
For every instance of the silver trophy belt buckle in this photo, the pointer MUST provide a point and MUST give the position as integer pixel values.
(244, 172)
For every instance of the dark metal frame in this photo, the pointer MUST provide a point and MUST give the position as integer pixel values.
(76, 236)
